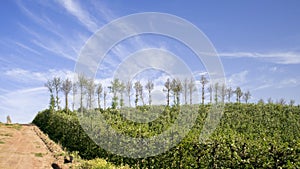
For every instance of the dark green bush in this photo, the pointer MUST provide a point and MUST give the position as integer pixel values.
(248, 136)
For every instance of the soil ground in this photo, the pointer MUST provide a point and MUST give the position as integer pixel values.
(23, 147)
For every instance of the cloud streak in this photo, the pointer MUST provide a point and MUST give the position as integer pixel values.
(51, 37)
(82, 16)
(277, 57)
(28, 48)
(22, 105)
(24, 76)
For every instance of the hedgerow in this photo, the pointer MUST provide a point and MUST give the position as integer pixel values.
(248, 136)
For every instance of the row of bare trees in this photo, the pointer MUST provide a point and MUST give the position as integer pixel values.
(55, 86)
(221, 92)
(87, 89)
(118, 89)
(281, 101)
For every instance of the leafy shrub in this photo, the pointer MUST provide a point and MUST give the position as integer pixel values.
(248, 136)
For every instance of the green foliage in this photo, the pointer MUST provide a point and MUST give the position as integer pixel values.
(114, 103)
(14, 126)
(100, 164)
(38, 154)
(52, 103)
(248, 136)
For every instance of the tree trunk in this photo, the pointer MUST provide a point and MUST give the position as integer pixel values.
(168, 97)
(99, 106)
(136, 99)
(191, 97)
(104, 100)
(57, 100)
(129, 100)
(203, 94)
(66, 97)
(150, 99)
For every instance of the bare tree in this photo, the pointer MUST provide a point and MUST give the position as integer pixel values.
(247, 96)
(81, 84)
(149, 86)
(137, 86)
(216, 89)
(210, 90)
(270, 101)
(229, 93)
(128, 91)
(261, 101)
(104, 99)
(168, 89)
(74, 92)
(56, 83)
(192, 88)
(50, 87)
(66, 87)
(99, 91)
(176, 88)
(114, 88)
(203, 82)
(90, 88)
(292, 102)
(185, 89)
(281, 101)
(223, 92)
(239, 94)
(121, 90)
(141, 91)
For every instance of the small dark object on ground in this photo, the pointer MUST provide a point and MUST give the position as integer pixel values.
(55, 166)
(70, 160)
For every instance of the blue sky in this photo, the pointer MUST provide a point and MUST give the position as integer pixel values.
(258, 43)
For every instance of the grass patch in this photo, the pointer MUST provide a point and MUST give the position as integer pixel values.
(38, 154)
(14, 126)
(6, 134)
(2, 142)
(17, 126)
(59, 154)
(101, 164)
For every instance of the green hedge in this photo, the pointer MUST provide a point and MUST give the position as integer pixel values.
(249, 136)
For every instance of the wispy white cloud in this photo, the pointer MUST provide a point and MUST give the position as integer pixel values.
(75, 9)
(275, 57)
(28, 48)
(22, 105)
(27, 76)
(103, 10)
(52, 37)
(288, 82)
(273, 69)
(237, 79)
(56, 48)
(64, 46)
(275, 83)
(41, 20)
(263, 86)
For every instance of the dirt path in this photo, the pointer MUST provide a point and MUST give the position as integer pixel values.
(22, 148)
